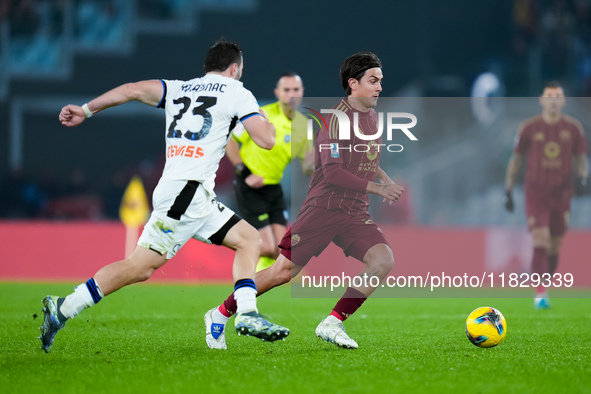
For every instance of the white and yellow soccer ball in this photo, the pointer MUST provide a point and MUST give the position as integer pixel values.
(486, 327)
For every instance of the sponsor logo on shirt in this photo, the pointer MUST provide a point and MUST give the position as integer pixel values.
(184, 150)
(552, 150)
(373, 146)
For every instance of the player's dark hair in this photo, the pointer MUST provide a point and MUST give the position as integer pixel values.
(287, 74)
(222, 55)
(355, 67)
(553, 85)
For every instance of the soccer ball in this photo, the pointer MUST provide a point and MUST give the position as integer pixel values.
(486, 327)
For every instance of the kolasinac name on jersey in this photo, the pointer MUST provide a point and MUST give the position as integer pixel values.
(199, 116)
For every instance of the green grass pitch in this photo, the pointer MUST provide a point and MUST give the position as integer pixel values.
(150, 338)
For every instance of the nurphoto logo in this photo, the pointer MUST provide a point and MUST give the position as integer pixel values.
(344, 133)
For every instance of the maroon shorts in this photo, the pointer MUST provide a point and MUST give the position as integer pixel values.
(547, 211)
(315, 228)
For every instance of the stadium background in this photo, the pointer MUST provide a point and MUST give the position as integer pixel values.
(62, 187)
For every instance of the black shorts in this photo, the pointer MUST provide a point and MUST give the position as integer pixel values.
(260, 207)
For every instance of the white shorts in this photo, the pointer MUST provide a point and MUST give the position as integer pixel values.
(182, 211)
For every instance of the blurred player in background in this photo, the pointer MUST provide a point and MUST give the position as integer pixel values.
(549, 142)
(199, 116)
(259, 171)
(335, 209)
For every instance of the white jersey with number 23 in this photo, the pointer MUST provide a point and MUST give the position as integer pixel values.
(200, 114)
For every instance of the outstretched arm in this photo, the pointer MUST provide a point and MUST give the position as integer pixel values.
(147, 92)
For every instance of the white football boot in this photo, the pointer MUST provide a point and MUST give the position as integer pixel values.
(215, 335)
(332, 330)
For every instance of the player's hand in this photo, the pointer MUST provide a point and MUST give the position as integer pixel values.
(255, 181)
(581, 186)
(509, 205)
(308, 164)
(263, 114)
(72, 115)
(385, 180)
(390, 191)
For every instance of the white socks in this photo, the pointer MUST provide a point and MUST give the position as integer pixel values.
(332, 320)
(246, 300)
(85, 295)
(218, 318)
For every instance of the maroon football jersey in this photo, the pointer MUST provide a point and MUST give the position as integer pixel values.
(357, 156)
(549, 150)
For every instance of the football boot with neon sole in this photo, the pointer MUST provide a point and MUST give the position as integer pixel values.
(253, 324)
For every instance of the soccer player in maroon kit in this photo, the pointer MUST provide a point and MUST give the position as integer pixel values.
(549, 142)
(335, 209)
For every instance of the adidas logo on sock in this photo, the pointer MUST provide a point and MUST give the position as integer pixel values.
(216, 330)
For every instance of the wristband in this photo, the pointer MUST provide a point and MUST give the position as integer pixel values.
(87, 111)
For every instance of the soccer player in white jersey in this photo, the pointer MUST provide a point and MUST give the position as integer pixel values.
(199, 116)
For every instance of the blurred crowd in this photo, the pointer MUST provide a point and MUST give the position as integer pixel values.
(80, 196)
(75, 197)
(555, 34)
(29, 17)
(41, 33)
